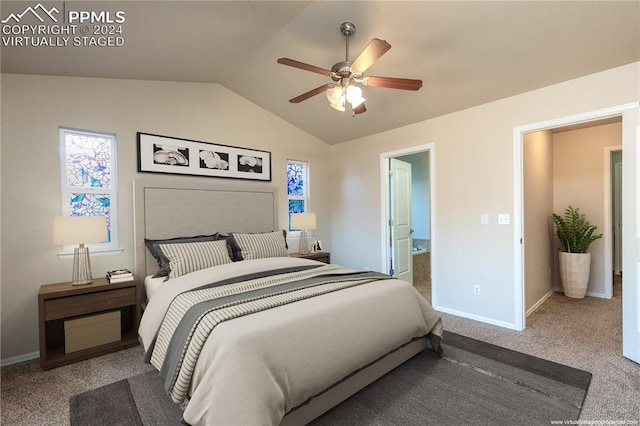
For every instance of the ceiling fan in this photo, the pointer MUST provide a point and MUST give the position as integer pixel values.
(346, 73)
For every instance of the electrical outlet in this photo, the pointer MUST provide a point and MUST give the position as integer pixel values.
(476, 290)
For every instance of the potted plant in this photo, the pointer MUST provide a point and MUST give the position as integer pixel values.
(576, 235)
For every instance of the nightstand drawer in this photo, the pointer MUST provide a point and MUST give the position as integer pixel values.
(81, 304)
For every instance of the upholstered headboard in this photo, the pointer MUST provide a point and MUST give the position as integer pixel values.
(166, 209)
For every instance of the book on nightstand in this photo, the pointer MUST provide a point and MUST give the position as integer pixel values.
(119, 275)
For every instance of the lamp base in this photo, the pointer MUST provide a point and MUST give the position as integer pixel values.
(81, 266)
(303, 247)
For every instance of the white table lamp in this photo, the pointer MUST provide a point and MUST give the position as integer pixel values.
(303, 222)
(80, 230)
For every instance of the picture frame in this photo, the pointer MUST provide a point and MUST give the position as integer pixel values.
(179, 156)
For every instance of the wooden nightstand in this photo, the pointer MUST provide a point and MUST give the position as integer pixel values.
(62, 302)
(320, 256)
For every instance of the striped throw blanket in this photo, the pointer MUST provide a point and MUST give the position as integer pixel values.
(193, 315)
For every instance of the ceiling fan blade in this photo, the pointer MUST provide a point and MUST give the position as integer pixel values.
(303, 66)
(392, 83)
(374, 50)
(359, 109)
(310, 93)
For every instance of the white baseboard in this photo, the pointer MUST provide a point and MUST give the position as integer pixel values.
(19, 358)
(589, 293)
(539, 302)
(474, 317)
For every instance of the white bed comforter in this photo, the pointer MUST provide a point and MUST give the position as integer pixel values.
(255, 369)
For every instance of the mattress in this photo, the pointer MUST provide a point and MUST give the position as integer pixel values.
(151, 285)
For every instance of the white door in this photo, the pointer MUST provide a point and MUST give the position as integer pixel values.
(631, 237)
(401, 239)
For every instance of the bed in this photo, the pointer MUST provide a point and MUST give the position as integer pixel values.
(312, 334)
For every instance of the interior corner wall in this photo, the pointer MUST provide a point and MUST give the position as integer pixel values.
(579, 181)
(33, 109)
(537, 207)
(474, 173)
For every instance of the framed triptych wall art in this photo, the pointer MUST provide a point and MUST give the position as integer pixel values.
(165, 154)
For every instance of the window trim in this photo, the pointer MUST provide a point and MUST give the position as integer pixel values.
(304, 197)
(112, 246)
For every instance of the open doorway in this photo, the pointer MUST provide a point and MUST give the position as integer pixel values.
(630, 114)
(563, 166)
(407, 218)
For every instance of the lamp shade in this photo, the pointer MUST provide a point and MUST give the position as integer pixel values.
(303, 221)
(79, 229)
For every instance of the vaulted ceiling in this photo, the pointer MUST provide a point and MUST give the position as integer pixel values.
(466, 53)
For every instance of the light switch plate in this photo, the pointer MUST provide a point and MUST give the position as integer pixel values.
(504, 219)
(484, 218)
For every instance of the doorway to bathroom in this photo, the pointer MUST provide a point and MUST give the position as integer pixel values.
(407, 216)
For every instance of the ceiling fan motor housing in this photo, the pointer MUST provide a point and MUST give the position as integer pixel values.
(340, 70)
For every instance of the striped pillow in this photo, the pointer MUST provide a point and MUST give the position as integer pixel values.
(190, 257)
(258, 246)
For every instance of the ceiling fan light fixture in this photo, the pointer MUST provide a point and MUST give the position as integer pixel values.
(354, 96)
(334, 94)
(336, 97)
(339, 104)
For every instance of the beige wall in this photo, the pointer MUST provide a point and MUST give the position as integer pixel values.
(579, 181)
(34, 107)
(472, 161)
(537, 207)
(473, 164)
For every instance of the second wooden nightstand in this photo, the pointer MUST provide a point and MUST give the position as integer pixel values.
(320, 256)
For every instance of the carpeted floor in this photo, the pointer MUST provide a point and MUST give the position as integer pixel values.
(475, 383)
(584, 334)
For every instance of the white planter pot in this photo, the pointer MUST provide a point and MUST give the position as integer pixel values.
(574, 273)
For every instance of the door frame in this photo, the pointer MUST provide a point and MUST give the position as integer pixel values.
(608, 221)
(518, 180)
(384, 207)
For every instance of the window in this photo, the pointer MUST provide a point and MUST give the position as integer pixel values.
(88, 179)
(297, 187)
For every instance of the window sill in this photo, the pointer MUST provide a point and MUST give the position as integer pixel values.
(93, 252)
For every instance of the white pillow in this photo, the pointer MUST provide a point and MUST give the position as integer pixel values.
(190, 257)
(258, 246)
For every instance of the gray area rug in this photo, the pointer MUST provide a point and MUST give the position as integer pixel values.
(475, 383)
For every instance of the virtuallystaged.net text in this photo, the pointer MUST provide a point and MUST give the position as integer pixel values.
(594, 422)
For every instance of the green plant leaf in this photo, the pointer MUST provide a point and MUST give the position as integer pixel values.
(574, 231)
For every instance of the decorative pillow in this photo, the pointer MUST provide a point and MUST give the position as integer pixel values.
(190, 257)
(163, 262)
(234, 249)
(257, 246)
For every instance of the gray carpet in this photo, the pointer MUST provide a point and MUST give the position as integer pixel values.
(475, 383)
